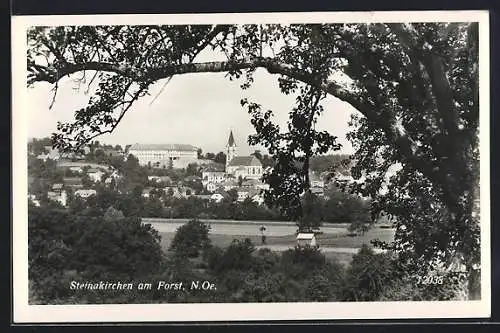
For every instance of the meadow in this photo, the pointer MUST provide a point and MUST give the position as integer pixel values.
(334, 242)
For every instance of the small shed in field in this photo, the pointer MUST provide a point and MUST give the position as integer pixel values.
(304, 239)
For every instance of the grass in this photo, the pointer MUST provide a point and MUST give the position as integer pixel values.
(324, 240)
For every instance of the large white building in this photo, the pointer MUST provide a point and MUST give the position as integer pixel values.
(165, 155)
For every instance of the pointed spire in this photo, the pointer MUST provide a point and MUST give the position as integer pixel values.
(231, 142)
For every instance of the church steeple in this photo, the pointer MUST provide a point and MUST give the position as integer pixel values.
(230, 141)
(231, 149)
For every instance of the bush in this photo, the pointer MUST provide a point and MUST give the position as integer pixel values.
(64, 247)
(191, 239)
(237, 256)
(368, 276)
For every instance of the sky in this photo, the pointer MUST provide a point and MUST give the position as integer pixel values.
(198, 109)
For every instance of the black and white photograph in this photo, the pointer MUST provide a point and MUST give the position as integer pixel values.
(251, 166)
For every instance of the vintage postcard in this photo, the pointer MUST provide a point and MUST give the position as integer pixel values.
(241, 167)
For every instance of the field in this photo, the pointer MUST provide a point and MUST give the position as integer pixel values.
(335, 242)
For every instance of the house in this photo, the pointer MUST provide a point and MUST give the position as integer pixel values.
(34, 200)
(186, 191)
(77, 169)
(242, 194)
(178, 191)
(114, 175)
(51, 153)
(60, 197)
(306, 239)
(73, 182)
(317, 183)
(211, 187)
(95, 174)
(258, 198)
(85, 193)
(205, 197)
(229, 184)
(111, 152)
(192, 178)
(214, 177)
(250, 183)
(318, 191)
(219, 196)
(160, 179)
(58, 187)
(146, 193)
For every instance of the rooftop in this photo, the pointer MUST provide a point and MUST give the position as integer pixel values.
(245, 161)
(305, 236)
(230, 141)
(167, 146)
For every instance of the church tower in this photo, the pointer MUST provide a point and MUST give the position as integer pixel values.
(231, 149)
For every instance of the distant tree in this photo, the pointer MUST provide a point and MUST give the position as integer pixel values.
(233, 194)
(368, 276)
(258, 155)
(64, 246)
(192, 169)
(200, 153)
(220, 158)
(191, 239)
(240, 181)
(311, 213)
(210, 156)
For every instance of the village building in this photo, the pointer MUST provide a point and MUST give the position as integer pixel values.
(173, 191)
(229, 184)
(59, 196)
(306, 239)
(34, 200)
(160, 179)
(57, 187)
(318, 191)
(50, 153)
(204, 197)
(241, 166)
(146, 193)
(211, 187)
(76, 169)
(219, 196)
(258, 198)
(215, 177)
(165, 155)
(73, 182)
(249, 193)
(95, 174)
(85, 193)
(111, 152)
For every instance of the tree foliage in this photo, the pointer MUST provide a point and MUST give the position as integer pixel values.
(191, 239)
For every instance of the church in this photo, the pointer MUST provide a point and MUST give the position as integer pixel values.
(248, 167)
